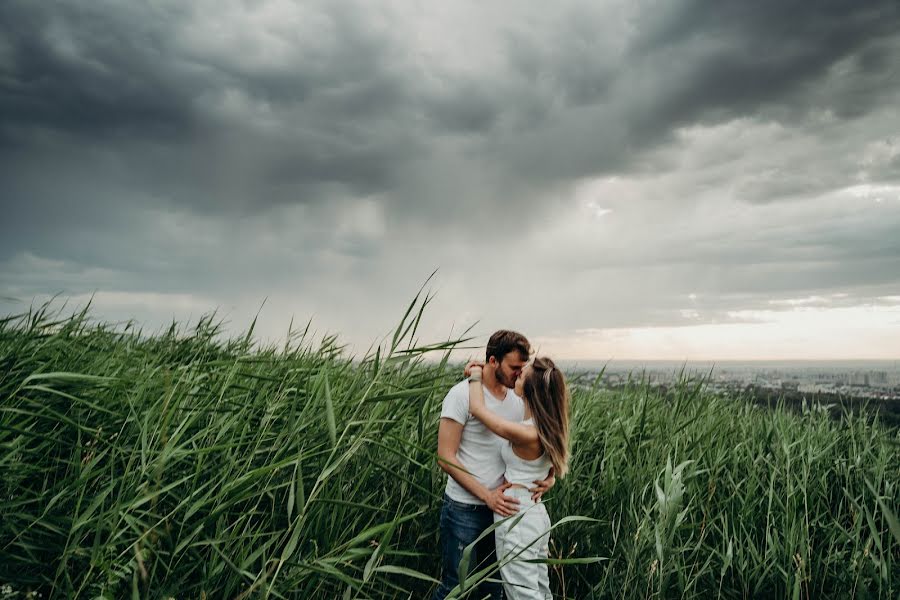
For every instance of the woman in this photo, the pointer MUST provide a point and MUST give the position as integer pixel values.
(534, 447)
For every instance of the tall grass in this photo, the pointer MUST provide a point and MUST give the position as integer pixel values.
(187, 465)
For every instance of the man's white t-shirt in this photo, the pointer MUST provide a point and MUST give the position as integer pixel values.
(479, 447)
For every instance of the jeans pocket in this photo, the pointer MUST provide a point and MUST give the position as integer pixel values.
(465, 524)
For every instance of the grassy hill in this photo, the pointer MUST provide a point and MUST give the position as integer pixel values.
(187, 465)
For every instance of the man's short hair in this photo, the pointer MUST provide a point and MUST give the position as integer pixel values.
(504, 341)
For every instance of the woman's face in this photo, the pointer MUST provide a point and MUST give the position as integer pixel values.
(520, 381)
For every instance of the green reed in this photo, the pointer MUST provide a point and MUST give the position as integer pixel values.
(184, 464)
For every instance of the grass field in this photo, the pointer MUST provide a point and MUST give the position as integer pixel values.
(186, 465)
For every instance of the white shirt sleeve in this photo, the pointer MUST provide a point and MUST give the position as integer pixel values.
(456, 404)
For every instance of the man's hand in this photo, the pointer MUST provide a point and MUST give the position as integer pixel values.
(542, 486)
(500, 503)
(470, 364)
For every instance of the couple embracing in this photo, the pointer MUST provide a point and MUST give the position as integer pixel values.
(503, 440)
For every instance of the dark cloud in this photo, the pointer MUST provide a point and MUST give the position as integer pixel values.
(89, 71)
(734, 56)
(352, 107)
(200, 128)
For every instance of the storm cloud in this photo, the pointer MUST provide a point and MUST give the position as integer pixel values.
(567, 167)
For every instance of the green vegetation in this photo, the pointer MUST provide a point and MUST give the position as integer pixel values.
(190, 466)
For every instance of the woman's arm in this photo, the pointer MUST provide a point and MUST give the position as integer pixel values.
(514, 432)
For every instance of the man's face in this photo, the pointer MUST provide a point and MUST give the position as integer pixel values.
(509, 368)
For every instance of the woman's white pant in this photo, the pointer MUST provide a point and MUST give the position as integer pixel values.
(520, 541)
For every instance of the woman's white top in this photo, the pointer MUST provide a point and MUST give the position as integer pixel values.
(522, 471)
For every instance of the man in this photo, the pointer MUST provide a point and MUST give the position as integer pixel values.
(470, 454)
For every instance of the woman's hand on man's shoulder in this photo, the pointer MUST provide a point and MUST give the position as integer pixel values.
(470, 365)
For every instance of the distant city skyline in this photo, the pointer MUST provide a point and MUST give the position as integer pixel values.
(689, 180)
(824, 381)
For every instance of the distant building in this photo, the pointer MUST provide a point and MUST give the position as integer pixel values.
(858, 378)
(879, 379)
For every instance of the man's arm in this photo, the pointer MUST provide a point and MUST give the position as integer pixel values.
(449, 436)
(542, 486)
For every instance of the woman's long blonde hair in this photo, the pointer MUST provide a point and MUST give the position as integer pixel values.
(548, 397)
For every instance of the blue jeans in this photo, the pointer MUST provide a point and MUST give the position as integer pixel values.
(460, 524)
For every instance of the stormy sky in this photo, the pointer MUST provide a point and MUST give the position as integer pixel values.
(700, 179)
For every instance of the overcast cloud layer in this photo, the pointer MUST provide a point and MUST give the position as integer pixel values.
(613, 178)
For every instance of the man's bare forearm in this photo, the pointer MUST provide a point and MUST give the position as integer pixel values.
(459, 474)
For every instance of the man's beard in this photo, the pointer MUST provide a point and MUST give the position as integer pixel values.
(505, 379)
